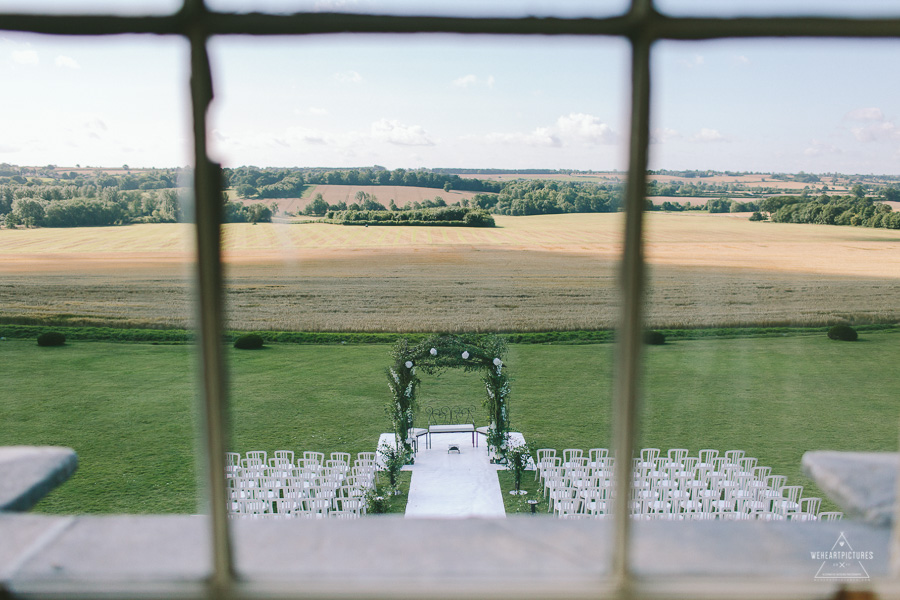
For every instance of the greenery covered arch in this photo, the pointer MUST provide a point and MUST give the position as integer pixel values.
(437, 353)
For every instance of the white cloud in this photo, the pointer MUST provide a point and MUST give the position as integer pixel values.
(585, 128)
(818, 148)
(333, 5)
(465, 81)
(294, 135)
(865, 114)
(66, 62)
(884, 130)
(542, 137)
(348, 77)
(574, 129)
(696, 61)
(741, 60)
(663, 135)
(25, 57)
(95, 124)
(394, 132)
(706, 135)
(875, 125)
(470, 80)
(319, 112)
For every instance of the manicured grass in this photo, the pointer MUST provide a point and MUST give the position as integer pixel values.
(129, 409)
(518, 504)
(395, 504)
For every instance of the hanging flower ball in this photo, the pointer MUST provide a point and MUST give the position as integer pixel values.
(434, 351)
(498, 362)
(409, 364)
(465, 355)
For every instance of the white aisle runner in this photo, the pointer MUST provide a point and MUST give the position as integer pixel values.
(451, 485)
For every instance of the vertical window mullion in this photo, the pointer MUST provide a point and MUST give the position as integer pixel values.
(628, 357)
(208, 217)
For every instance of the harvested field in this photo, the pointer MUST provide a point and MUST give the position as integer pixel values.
(758, 180)
(401, 195)
(531, 273)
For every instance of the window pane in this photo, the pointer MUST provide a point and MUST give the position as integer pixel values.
(748, 8)
(465, 8)
(449, 121)
(113, 7)
(89, 192)
(745, 303)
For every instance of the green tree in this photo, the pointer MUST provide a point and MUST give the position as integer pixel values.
(6, 199)
(317, 207)
(245, 190)
(29, 211)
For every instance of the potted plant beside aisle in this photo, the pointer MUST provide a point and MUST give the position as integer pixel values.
(517, 459)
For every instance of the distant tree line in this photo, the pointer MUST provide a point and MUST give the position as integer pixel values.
(253, 182)
(542, 197)
(831, 210)
(367, 202)
(448, 215)
(53, 198)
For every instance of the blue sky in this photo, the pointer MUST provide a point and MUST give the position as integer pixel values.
(445, 101)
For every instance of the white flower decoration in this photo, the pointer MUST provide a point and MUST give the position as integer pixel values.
(434, 351)
(409, 364)
(465, 355)
(498, 362)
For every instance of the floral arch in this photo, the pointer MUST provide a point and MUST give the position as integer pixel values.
(440, 352)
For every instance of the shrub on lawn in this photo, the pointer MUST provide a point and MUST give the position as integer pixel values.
(51, 338)
(844, 333)
(655, 338)
(251, 341)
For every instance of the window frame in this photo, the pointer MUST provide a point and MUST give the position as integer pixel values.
(642, 25)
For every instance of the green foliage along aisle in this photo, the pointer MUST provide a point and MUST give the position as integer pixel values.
(439, 352)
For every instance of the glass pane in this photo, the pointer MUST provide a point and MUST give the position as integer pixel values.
(90, 189)
(741, 375)
(753, 8)
(464, 8)
(108, 7)
(416, 124)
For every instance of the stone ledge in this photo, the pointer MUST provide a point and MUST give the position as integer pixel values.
(371, 557)
(863, 484)
(28, 473)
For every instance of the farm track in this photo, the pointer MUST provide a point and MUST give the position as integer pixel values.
(533, 273)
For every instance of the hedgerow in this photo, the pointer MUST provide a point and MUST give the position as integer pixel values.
(597, 336)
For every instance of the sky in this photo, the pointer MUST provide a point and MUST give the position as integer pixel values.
(450, 101)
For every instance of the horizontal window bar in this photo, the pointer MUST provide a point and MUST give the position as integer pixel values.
(652, 25)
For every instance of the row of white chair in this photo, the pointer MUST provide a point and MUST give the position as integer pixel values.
(277, 487)
(673, 487)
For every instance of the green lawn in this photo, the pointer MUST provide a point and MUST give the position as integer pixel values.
(128, 409)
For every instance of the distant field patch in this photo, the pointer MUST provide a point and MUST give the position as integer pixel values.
(550, 272)
(401, 195)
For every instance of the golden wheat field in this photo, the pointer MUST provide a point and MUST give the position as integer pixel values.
(530, 273)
